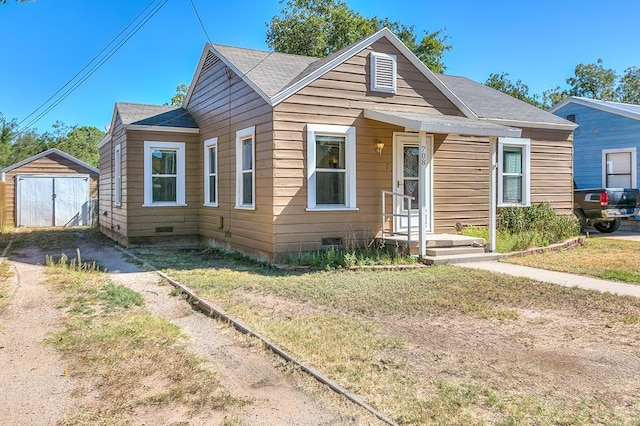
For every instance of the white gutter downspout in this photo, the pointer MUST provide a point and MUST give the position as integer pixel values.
(422, 191)
(493, 149)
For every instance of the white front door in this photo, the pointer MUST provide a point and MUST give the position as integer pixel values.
(407, 162)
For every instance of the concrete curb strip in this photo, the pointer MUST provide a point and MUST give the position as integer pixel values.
(217, 312)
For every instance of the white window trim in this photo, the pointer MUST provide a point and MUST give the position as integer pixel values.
(634, 164)
(526, 170)
(249, 132)
(180, 178)
(374, 70)
(117, 175)
(208, 144)
(349, 132)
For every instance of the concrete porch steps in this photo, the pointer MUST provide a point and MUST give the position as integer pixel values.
(444, 248)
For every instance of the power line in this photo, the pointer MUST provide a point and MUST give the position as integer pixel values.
(200, 20)
(137, 25)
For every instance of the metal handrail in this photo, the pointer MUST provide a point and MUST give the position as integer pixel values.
(385, 214)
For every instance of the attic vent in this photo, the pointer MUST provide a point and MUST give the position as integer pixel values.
(571, 117)
(383, 72)
(210, 61)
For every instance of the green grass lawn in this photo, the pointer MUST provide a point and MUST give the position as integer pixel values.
(605, 258)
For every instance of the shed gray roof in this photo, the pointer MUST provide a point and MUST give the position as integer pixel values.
(155, 115)
(490, 104)
(47, 153)
(626, 110)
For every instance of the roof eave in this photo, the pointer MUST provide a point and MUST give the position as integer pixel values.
(594, 105)
(168, 129)
(417, 125)
(44, 154)
(531, 124)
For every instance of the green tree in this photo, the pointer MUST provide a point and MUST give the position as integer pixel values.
(320, 27)
(518, 90)
(29, 143)
(82, 143)
(593, 81)
(628, 90)
(7, 135)
(18, 1)
(180, 96)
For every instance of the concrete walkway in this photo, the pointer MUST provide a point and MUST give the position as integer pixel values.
(560, 278)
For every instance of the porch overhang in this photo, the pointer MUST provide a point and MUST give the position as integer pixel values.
(443, 124)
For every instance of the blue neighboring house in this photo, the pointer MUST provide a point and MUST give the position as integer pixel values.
(606, 142)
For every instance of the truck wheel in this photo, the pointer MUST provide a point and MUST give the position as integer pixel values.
(607, 227)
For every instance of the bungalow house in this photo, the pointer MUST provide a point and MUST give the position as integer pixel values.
(274, 153)
(606, 144)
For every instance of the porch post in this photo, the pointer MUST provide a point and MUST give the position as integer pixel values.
(493, 173)
(422, 190)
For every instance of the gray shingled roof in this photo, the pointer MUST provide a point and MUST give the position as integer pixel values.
(155, 115)
(492, 104)
(270, 71)
(626, 110)
(273, 72)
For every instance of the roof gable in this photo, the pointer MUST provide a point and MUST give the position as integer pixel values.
(625, 110)
(46, 154)
(277, 76)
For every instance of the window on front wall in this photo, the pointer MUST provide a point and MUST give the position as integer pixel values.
(514, 172)
(211, 172)
(164, 173)
(245, 168)
(117, 160)
(331, 167)
(619, 169)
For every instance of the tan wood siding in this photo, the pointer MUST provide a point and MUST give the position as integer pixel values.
(552, 168)
(339, 98)
(460, 181)
(221, 106)
(51, 164)
(112, 218)
(163, 224)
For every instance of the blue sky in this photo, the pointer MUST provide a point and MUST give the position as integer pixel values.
(47, 42)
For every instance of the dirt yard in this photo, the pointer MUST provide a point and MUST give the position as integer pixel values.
(39, 387)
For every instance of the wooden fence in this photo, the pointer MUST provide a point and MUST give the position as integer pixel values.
(3, 209)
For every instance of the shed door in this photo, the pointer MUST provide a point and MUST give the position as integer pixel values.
(52, 200)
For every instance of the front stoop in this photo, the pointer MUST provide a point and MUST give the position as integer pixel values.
(461, 258)
(445, 248)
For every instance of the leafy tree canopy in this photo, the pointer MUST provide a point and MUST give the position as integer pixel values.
(80, 142)
(320, 27)
(518, 90)
(180, 96)
(593, 81)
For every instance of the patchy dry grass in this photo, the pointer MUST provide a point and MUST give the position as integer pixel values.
(441, 345)
(136, 361)
(604, 258)
(5, 274)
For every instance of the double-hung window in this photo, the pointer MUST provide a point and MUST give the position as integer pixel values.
(618, 168)
(211, 172)
(117, 171)
(245, 168)
(514, 166)
(331, 167)
(164, 173)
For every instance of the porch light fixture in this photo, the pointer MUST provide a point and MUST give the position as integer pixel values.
(379, 147)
